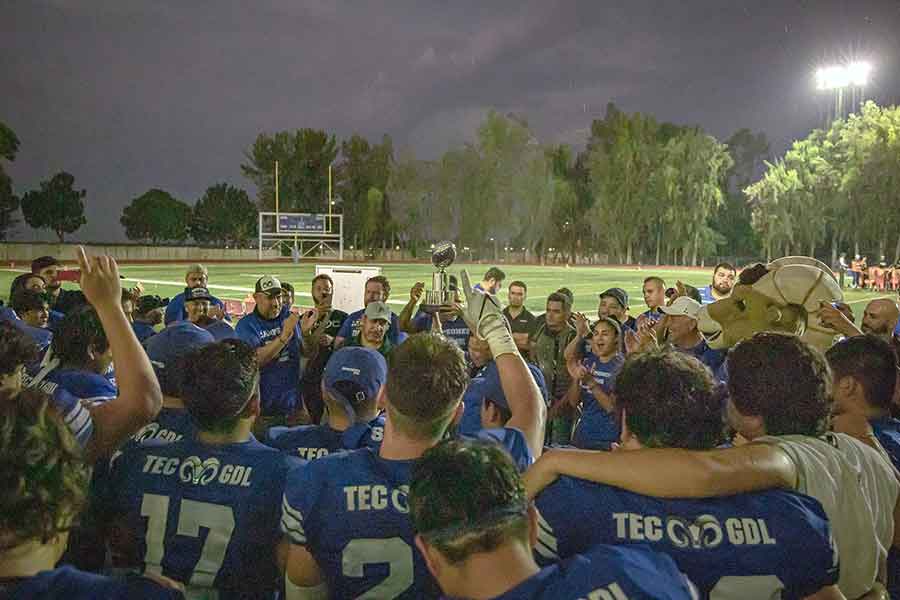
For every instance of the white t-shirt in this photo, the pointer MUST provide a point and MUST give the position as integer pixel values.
(858, 490)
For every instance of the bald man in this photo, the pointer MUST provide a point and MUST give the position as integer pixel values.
(880, 318)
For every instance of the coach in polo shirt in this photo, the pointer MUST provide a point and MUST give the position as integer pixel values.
(276, 337)
(196, 277)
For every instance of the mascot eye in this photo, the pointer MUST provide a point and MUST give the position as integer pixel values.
(740, 305)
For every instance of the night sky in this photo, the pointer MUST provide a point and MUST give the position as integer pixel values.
(131, 95)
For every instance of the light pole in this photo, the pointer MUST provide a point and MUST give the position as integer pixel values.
(836, 78)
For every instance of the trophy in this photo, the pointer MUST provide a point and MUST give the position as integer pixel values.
(442, 292)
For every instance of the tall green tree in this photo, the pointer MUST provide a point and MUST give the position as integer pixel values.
(9, 202)
(303, 157)
(56, 206)
(225, 215)
(156, 216)
(364, 166)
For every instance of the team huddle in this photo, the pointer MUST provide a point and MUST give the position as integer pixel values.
(710, 447)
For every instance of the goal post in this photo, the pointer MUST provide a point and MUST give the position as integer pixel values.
(306, 234)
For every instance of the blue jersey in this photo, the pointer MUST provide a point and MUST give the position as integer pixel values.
(175, 310)
(74, 413)
(598, 429)
(706, 295)
(351, 325)
(653, 315)
(350, 512)
(512, 440)
(709, 357)
(315, 441)
(280, 378)
(745, 546)
(485, 383)
(41, 337)
(143, 331)
(607, 572)
(204, 515)
(170, 425)
(887, 430)
(72, 584)
(89, 387)
(454, 329)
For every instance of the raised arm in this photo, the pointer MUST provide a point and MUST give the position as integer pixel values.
(485, 319)
(406, 315)
(139, 398)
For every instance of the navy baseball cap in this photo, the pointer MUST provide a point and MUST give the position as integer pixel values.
(170, 344)
(197, 293)
(147, 303)
(491, 388)
(364, 368)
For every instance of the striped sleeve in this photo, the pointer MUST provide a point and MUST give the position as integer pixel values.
(292, 523)
(75, 414)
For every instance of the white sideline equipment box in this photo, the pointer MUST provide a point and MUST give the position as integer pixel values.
(349, 284)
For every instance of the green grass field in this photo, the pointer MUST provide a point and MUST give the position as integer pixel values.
(235, 281)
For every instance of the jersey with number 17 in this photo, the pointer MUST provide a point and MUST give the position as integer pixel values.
(205, 515)
(350, 511)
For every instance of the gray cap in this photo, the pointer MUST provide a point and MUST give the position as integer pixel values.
(378, 310)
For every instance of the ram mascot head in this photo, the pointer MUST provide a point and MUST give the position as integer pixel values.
(784, 295)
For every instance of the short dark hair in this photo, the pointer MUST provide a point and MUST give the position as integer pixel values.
(567, 293)
(324, 276)
(217, 383)
(80, 331)
(44, 476)
(20, 280)
(562, 298)
(24, 300)
(669, 400)
(16, 348)
(385, 284)
(724, 265)
(427, 377)
(655, 279)
(495, 273)
(42, 262)
(287, 286)
(467, 497)
(520, 284)
(872, 362)
(693, 293)
(782, 379)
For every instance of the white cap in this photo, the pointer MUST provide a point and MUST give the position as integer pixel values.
(683, 306)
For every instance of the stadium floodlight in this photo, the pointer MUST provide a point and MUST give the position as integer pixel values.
(838, 77)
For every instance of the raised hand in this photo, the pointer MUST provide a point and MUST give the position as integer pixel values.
(485, 319)
(99, 279)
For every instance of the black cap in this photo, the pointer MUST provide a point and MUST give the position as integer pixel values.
(619, 294)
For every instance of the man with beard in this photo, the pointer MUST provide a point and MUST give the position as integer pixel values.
(276, 338)
(881, 318)
(521, 320)
(49, 267)
(319, 328)
(723, 279)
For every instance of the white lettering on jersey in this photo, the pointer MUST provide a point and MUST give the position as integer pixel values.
(703, 532)
(611, 592)
(193, 470)
(153, 431)
(311, 453)
(376, 497)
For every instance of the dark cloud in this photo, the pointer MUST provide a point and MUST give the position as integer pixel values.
(130, 95)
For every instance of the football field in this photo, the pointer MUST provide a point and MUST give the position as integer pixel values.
(235, 280)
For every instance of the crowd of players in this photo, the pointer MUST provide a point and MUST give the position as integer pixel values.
(152, 450)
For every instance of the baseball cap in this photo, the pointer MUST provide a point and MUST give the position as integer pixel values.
(197, 293)
(491, 389)
(378, 310)
(363, 370)
(268, 285)
(173, 342)
(147, 303)
(619, 294)
(683, 306)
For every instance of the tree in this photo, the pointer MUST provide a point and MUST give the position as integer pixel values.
(156, 216)
(303, 157)
(57, 206)
(365, 166)
(9, 202)
(224, 215)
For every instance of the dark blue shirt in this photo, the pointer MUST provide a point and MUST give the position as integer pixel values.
(204, 515)
(175, 310)
(143, 331)
(454, 329)
(315, 441)
(744, 546)
(280, 378)
(598, 429)
(709, 357)
(72, 584)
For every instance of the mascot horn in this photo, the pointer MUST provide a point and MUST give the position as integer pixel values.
(785, 295)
